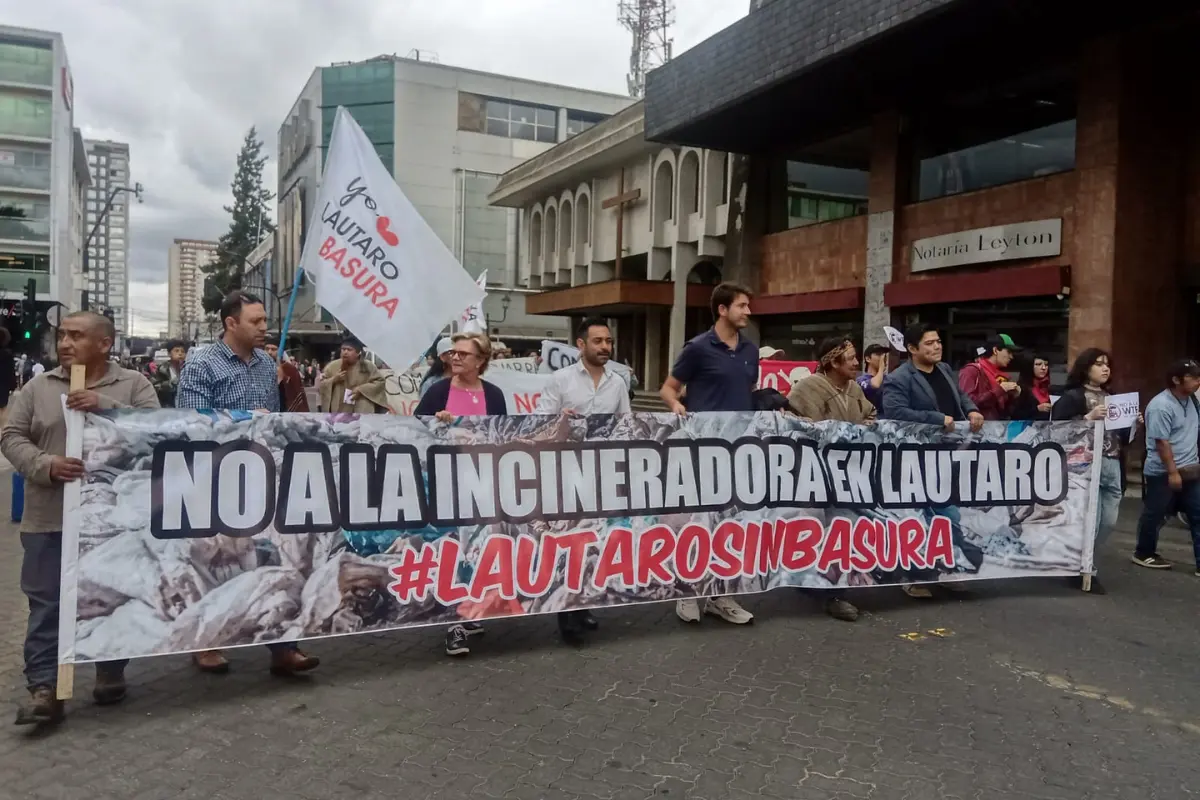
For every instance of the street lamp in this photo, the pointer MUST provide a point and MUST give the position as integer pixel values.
(505, 302)
(136, 191)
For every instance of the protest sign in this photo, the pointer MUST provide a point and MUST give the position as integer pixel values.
(1123, 410)
(556, 355)
(379, 267)
(220, 529)
(523, 364)
(521, 389)
(780, 375)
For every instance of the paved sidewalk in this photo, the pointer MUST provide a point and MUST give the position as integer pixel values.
(1034, 691)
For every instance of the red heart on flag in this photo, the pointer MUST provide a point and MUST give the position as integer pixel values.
(381, 225)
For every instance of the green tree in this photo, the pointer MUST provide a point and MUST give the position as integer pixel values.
(250, 221)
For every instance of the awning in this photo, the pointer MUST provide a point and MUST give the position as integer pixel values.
(614, 298)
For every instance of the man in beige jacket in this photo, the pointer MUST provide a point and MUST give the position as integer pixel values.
(35, 441)
(833, 393)
(353, 385)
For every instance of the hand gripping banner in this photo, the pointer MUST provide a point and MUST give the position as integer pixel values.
(212, 530)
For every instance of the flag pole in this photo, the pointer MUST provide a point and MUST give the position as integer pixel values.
(287, 320)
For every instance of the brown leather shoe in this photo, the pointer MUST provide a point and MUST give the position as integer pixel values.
(292, 662)
(212, 661)
(44, 707)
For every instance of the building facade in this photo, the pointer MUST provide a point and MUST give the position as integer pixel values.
(39, 180)
(108, 259)
(446, 134)
(185, 288)
(618, 227)
(1037, 172)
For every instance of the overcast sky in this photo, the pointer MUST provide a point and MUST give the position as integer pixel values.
(182, 80)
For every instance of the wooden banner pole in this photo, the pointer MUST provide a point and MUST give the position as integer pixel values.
(66, 672)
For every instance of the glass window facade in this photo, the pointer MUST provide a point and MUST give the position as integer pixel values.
(580, 121)
(520, 121)
(820, 193)
(368, 92)
(24, 219)
(24, 167)
(26, 62)
(25, 114)
(1007, 133)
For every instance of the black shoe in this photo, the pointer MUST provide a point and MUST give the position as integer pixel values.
(569, 628)
(1153, 561)
(44, 707)
(588, 621)
(841, 609)
(110, 687)
(456, 641)
(473, 628)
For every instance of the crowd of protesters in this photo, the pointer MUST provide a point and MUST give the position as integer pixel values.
(717, 370)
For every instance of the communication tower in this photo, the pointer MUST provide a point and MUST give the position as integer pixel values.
(650, 23)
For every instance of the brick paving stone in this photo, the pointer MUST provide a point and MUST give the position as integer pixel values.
(797, 705)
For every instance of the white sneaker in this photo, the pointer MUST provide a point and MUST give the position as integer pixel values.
(728, 609)
(687, 610)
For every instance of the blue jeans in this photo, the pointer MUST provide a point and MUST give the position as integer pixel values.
(1110, 498)
(1157, 499)
(41, 566)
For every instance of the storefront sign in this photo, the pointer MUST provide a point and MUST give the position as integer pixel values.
(1002, 243)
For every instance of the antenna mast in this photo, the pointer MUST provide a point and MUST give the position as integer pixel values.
(650, 22)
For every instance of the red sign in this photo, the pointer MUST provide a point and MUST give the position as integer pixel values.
(68, 88)
(780, 375)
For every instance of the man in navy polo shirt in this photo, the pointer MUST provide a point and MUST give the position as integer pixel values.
(720, 369)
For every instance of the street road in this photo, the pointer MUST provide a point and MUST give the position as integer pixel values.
(1027, 689)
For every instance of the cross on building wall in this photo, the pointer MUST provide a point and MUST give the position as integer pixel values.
(622, 200)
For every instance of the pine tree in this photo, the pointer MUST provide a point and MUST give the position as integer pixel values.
(250, 221)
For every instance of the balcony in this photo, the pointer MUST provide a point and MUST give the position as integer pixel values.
(14, 280)
(25, 230)
(37, 178)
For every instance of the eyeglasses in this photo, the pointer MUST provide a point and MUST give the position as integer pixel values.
(462, 354)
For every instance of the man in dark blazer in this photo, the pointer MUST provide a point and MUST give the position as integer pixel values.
(924, 388)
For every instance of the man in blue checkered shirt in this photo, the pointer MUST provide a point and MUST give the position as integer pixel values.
(236, 374)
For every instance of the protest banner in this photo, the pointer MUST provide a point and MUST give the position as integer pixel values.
(521, 389)
(780, 375)
(198, 530)
(378, 266)
(523, 364)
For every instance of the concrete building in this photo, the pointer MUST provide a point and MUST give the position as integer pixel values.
(108, 260)
(615, 226)
(39, 177)
(1030, 167)
(185, 287)
(447, 134)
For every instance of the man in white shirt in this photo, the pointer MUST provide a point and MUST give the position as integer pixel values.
(590, 386)
(38, 368)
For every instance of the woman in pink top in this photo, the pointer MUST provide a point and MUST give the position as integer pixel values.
(465, 394)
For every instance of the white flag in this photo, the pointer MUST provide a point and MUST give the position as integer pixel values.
(379, 268)
(473, 320)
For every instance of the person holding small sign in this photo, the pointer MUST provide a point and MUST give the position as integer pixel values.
(1087, 397)
(351, 384)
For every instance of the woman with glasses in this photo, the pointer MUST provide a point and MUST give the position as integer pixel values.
(464, 394)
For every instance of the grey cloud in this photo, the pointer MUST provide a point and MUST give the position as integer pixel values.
(182, 80)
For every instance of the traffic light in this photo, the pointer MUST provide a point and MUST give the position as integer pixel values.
(29, 308)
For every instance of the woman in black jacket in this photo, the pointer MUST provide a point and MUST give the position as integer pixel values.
(1033, 403)
(464, 394)
(1086, 397)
